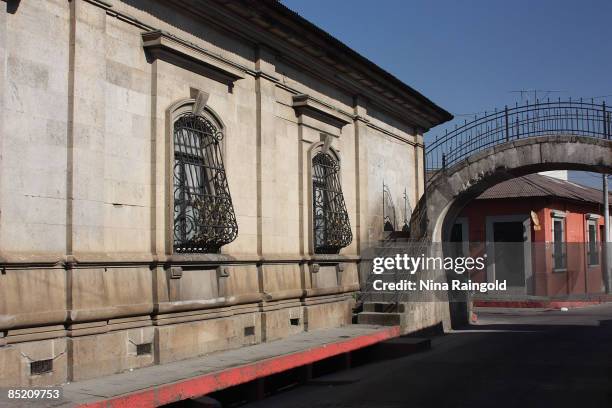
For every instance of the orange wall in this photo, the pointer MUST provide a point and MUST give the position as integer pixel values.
(578, 278)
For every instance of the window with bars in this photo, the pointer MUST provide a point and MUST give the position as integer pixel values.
(204, 218)
(331, 227)
(593, 243)
(559, 249)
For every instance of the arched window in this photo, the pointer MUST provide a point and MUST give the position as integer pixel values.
(331, 227)
(204, 218)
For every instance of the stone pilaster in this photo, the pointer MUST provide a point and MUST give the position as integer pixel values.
(361, 173)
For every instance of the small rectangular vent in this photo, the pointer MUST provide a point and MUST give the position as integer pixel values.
(249, 331)
(143, 349)
(41, 367)
(295, 322)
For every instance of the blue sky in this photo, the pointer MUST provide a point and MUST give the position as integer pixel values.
(469, 55)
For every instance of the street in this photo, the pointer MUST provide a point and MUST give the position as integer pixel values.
(510, 358)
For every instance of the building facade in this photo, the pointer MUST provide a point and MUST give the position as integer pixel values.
(184, 177)
(541, 234)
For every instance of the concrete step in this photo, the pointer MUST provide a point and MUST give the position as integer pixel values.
(382, 319)
(384, 307)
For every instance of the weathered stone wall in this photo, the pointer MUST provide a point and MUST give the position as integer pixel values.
(88, 272)
(389, 160)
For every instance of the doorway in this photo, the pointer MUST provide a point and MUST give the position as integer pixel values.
(509, 257)
(509, 252)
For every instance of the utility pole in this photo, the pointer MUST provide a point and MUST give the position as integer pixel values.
(606, 238)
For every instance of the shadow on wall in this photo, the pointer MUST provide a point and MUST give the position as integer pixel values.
(187, 22)
(12, 6)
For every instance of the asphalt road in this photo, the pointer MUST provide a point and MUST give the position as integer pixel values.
(511, 358)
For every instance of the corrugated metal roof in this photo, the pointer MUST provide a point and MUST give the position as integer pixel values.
(537, 185)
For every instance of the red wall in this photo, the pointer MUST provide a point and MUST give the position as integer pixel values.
(579, 278)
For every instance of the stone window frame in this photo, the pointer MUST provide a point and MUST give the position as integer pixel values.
(592, 220)
(559, 216)
(316, 148)
(173, 112)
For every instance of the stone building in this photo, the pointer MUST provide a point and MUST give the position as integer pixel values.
(181, 177)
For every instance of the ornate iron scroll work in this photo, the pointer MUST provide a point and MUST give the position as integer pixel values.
(332, 230)
(204, 218)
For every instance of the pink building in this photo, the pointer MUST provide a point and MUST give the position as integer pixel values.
(540, 234)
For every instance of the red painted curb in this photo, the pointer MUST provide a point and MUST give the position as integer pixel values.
(543, 304)
(205, 384)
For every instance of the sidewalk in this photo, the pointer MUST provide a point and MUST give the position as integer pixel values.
(162, 384)
(542, 302)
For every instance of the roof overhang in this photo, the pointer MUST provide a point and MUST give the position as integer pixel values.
(295, 39)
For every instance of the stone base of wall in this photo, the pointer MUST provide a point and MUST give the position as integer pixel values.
(327, 311)
(282, 319)
(187, 340)
(93, 349)
(16, 363)
(110, 353)
(424, 315)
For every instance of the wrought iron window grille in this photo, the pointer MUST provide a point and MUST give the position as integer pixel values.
(331, 227)
(204, 218)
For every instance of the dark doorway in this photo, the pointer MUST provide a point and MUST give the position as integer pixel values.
(509, 252)
(456, 241)
(457, 233)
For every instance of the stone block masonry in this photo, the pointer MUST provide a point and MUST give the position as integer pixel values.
(91, 281)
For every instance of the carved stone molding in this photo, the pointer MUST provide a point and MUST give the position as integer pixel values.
(306, 105)
(159, 44)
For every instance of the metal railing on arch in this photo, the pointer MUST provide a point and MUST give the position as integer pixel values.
(542, 118)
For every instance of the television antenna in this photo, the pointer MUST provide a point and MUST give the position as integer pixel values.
(543, 93)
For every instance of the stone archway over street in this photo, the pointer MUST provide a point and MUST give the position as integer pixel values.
(452, 188)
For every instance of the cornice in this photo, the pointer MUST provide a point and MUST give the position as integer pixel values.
(305, 105)
(323, 67)
(241, 19)
(159, 44)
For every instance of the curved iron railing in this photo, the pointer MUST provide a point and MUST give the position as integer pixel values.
(518, 122)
